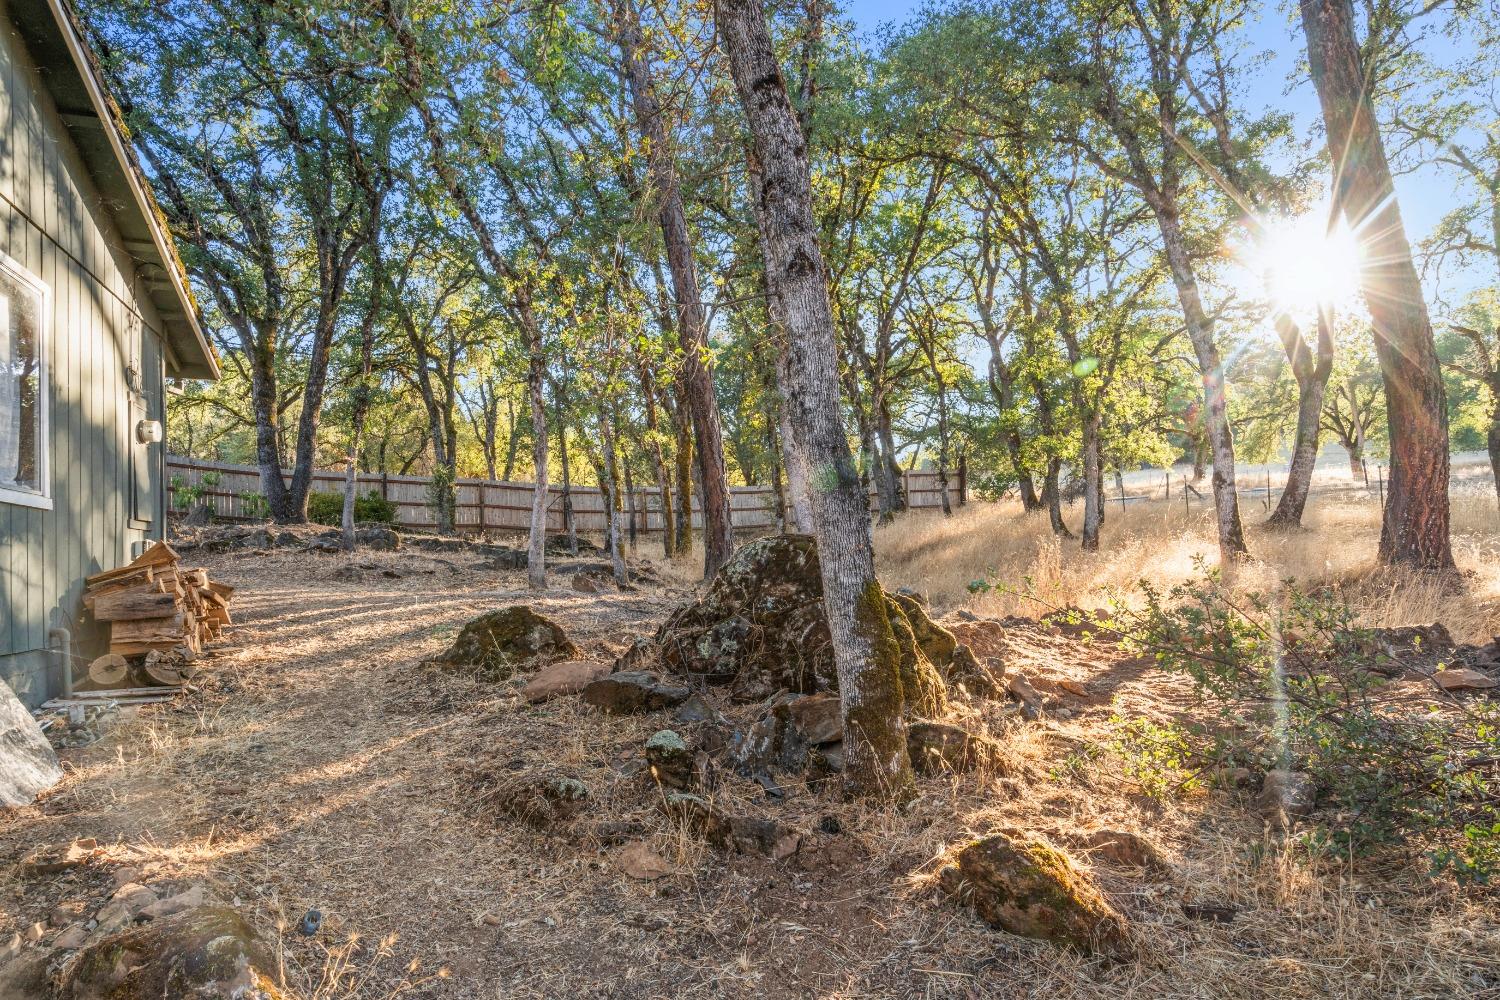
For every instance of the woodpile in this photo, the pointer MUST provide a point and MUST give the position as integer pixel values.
(160, 614)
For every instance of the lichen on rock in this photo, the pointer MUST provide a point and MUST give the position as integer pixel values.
(761, 628)
(497, 644)
(207, 952)
(1031, 889)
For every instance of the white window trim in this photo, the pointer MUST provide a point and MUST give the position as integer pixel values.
(40, 499)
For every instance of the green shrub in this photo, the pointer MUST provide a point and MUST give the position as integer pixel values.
(328, 508)
(255, 505)
(186, 496)
(1296, 683)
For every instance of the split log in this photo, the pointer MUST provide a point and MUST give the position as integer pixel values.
(129, 603)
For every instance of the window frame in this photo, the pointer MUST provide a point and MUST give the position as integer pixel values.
(40, 499)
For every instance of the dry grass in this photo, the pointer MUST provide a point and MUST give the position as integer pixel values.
(1157, 541)
(320, 766)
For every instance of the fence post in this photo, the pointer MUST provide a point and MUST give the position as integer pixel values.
(963, 478)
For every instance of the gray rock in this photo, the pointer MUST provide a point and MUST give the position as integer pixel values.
(28, 765)
(819, 718)
(671, 760)
(376, 537)
(499, 643)
(630, 692)
(201, 515)
(697, 709)
(745, 834)
(206, 952)
(938, 748)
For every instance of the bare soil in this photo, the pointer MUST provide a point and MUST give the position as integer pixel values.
(320, 766)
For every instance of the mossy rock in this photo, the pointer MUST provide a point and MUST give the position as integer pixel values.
(1033, 890)
(761, 628)
(498, 644)
(206, 953)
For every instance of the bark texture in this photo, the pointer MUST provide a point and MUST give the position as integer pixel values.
(866, 654)
(1415, 531)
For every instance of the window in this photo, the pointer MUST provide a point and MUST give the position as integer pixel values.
(23, 387)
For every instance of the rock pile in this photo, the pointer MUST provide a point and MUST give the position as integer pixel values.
(761, 628)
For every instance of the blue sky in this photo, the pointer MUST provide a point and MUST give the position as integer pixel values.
(1425, 195)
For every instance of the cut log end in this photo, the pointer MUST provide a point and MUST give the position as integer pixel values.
(109, 670)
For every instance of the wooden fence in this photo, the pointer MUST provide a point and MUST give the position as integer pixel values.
(487, 505)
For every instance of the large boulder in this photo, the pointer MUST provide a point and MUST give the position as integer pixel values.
(206, 953)
(761, 628)
(497, 644)
(1033, 890)
(28, 765)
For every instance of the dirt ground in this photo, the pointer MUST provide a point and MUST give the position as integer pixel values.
(320, 766)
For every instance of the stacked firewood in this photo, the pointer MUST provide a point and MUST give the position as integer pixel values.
(160, 615)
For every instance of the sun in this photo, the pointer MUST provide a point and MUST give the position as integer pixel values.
(1306, 265)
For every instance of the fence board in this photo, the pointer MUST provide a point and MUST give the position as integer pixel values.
(489, 505)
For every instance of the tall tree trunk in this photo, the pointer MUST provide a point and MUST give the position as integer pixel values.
(1003, 391)
(798, 480)
(513, 440)
(609, 484)
(1052, 498)
(1215, 418)
(692, 326)
(1492, 441)
(658, 464)
(1093, 484)
(1311, 374)
(795, 507)
(683, 424)
(361, 400)
(1415, 531)
(866, 656)
(268, 432)
(570, 528)
(536, 376)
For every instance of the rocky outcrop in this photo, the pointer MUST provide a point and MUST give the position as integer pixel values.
(28, 765)
(761, 628)
(499, 643)
(1031, 889)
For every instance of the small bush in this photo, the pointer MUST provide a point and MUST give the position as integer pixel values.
(185, 496)
(1296, 683)
(255, 505)
(328, 508)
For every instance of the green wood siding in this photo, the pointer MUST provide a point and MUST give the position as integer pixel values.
(55, 225)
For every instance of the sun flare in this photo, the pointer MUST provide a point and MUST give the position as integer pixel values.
(1305, 264)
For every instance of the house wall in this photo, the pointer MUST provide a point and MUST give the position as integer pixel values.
(107, 490)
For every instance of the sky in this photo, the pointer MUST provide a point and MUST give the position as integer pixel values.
(1425, 195)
